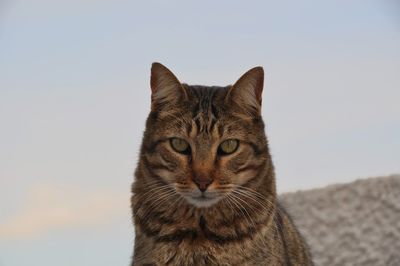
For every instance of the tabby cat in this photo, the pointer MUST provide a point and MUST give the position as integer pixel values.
(204, 192)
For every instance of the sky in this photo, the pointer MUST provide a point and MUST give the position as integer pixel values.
(74, 95)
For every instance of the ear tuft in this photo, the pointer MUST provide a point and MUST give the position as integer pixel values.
(165, 87)
(247, 91)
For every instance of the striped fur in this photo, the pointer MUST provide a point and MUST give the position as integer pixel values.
(240, 221)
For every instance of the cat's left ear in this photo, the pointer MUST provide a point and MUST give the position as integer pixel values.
(247, 91)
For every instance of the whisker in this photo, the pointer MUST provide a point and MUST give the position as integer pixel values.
(269, 209)
(263, 241)
(157, 202)
(155, 189)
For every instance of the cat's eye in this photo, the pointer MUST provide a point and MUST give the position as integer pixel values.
(180, 145)
(228, 146)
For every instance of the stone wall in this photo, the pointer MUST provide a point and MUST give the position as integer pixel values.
(350, 224)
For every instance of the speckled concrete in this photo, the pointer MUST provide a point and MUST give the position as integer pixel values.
(350, 224)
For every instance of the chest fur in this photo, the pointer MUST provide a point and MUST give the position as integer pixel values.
(200, 253)
(194, 253)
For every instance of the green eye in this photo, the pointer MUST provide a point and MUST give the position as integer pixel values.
(228, 146)
(180, 145)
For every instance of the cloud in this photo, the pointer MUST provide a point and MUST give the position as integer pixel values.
(50, 208)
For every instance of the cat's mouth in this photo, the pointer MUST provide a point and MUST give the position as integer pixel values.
(202, 201)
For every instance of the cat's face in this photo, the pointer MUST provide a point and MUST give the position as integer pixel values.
(204, 141)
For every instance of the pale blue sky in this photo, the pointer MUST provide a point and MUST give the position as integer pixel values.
(74, 94)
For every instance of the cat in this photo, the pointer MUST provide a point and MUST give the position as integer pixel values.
(204, 190)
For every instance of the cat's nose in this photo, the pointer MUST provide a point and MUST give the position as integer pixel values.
(202, 183)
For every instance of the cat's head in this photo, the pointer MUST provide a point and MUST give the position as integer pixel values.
(204, 142)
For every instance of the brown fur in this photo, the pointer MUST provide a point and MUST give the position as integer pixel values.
(240, 221)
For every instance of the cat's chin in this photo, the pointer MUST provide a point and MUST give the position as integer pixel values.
(202, 202)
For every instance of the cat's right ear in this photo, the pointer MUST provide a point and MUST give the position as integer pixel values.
(165, 87)
(246, 92)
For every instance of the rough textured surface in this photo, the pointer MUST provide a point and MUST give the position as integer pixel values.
(350, 224)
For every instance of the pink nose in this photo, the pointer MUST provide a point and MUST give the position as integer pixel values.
(202, 183)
